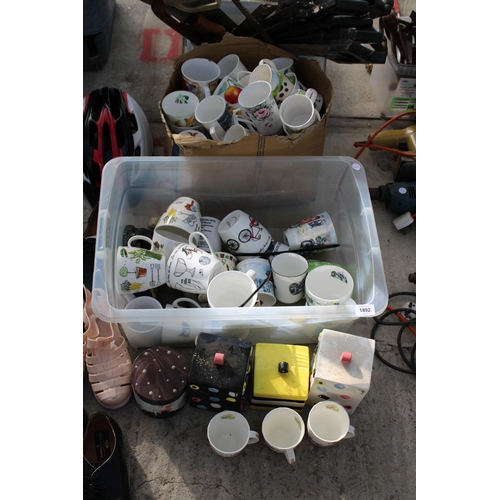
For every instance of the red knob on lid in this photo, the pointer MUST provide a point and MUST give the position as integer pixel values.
(346, 358)
(219, 358)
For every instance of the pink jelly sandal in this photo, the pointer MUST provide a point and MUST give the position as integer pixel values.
(109, 366)
(89, 321)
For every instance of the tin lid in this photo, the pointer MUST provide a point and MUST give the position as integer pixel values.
(281, 371)
(220, 362)
(159, 377)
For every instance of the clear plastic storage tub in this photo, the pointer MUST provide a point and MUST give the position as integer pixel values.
(278, 192)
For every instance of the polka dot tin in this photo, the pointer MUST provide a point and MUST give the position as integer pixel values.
(159, 381)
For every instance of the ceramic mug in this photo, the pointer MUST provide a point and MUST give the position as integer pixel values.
(228, 260)
(289, 85)
(209, 227)
(179, 107)
(266, 72)
(145, 334)
(313, 232)
(259, 103)
(232, 289)
(190, 269)
(328, 285)
(289, 275)
(214, 114)
(182, 218)
(262, 268)
(228, 433)
(230, 65)
(200, 76)
(229, 89)
(241, 233)
(297, 111)
(328, 423)
(283, 429)
(235, 133)
(138, 269)
(284, 65)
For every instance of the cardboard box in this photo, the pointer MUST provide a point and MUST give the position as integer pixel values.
(309, 142)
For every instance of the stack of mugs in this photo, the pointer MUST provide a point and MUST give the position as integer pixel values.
(233, 262)
(224, 101)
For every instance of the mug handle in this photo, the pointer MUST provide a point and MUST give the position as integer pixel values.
(290, 456)
(269, 63)
(176, 302)
(140, 237)
(312, 94)
(192, 242)
(206, 90)
(351, 432)
(253, 438)
(213, 134)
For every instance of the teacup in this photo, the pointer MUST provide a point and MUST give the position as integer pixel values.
(328, 285)
(289, 275)
(214, 114)
(328, 423)
(229, 433)
(138, 269)
(297, 111)
(190, 269)
(283, 429)
(266, 72)
(262, 268)
(200, 76)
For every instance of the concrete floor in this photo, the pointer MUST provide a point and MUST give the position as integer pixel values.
(171, 458)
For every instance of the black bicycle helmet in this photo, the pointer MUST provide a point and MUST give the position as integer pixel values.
(113, 125)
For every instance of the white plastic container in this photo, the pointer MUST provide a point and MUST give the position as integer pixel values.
(277, 191)
(394, 85)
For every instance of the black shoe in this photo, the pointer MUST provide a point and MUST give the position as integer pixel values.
(104, 468)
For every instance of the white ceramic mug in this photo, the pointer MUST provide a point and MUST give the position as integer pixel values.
(241, 233)
(328, 423)
(313, 232)
(289, 275)
(284, 64)
(182, 218)
(229, 89)
(328, 285)
(257, 99)
(190, 269)
(214, 114)
(200, 76)
(232, 289)
(138, 269)
(230, 65)
(235, 133)
(262, 268)
(228, 433)
(266, 72)
(283, 430)
(209, 227)
(297, 111)
(179, 107)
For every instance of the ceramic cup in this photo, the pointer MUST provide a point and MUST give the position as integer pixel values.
(179, 108)
(328, 285)
(283, 64)
(275, 248)
(144, 334)
(297, 111)
(138, 269)
(287, 131)
(194, 127)
(229, 89)
(214, 114)
(209, 227)
(228, 433)
(182, 218)
(230, 65)
(257, 99)
(328, 423)
(283, 429)
(313, 232)
(232, 289)
(235, 133)
(262, 268)
(200, 76)
(241, 233)
(289, 85)
(228, 260)
(289, 275)
(190, 269)
(266, 72)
